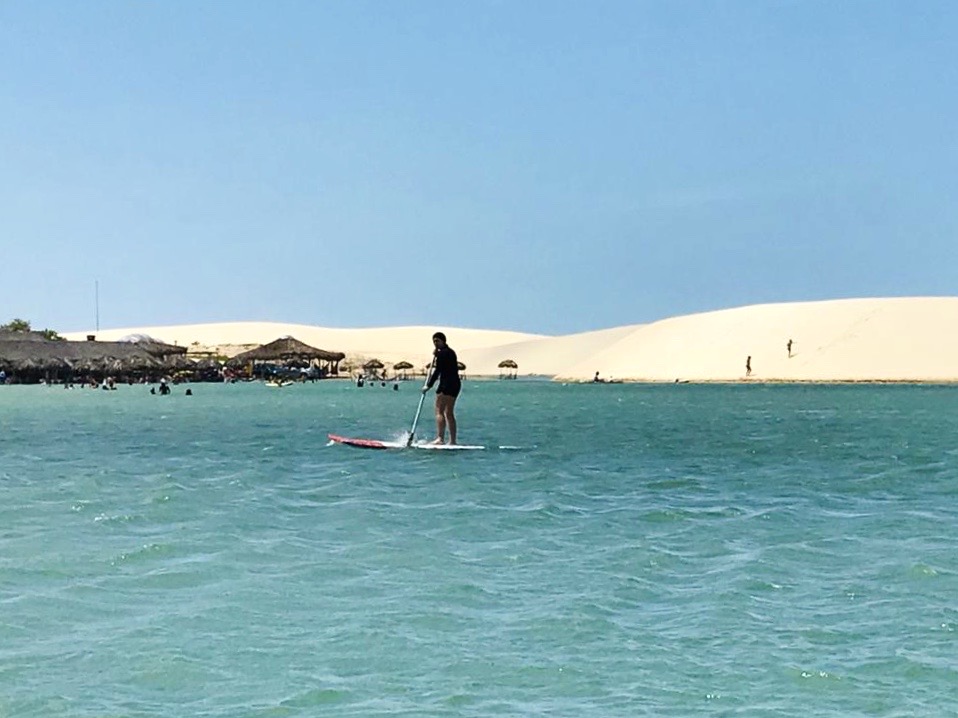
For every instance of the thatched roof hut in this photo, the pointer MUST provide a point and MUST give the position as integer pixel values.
(31, 359)
(108, 358)
(154, 346)
(286, 350)
(402, 368)
(508, 364)
(27, 359)
(373, 367)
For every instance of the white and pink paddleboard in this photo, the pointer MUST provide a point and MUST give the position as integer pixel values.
(376, 444)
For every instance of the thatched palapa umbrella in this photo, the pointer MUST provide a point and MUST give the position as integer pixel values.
(286, 350)
(373, 366)
(508, 364)
(402, 367)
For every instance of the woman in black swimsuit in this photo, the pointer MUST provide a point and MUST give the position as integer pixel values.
(446, 370)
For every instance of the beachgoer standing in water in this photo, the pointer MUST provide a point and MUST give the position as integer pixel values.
(446, 370)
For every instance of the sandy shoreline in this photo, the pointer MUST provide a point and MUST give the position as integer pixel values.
(909, 339)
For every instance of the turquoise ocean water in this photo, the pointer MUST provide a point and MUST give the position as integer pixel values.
(674, 550)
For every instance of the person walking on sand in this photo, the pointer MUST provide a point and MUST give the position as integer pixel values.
(748, 365)
(789, 347)
(446, 371)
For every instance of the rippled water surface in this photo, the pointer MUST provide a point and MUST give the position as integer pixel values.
(650, 551)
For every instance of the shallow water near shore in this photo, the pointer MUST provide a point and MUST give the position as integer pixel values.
(665, 550)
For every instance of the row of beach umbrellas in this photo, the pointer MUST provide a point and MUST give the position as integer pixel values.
(375, 364)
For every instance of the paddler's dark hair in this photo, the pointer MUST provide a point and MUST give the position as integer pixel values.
(439, 335)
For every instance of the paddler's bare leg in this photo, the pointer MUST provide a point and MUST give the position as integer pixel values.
(440, 421)
(450, 414)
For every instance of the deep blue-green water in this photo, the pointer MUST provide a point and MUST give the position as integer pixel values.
(673, 550)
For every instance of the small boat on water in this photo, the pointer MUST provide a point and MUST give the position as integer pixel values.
(279, 383)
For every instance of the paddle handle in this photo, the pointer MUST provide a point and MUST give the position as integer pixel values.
(422, 398)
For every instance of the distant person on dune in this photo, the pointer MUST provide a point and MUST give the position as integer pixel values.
(748, 365)
(789, 347)
(446, 371)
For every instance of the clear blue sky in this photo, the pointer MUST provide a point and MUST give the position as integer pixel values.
(540, 166)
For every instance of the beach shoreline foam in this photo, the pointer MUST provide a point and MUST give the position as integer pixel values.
(894, 340)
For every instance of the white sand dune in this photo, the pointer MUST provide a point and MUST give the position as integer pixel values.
(901, 339)
(896, 339)
(544, 356)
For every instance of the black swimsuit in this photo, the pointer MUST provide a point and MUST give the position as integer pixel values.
(447, 371)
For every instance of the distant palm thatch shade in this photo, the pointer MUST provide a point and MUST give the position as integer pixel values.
(373, 364)
(32, 356)
(15, 361)
(460, 366)
(284, 349)
(508, 364)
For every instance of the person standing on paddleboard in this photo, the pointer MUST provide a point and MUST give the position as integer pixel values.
(446, 370)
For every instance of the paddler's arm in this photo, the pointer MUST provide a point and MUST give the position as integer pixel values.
(433, 376)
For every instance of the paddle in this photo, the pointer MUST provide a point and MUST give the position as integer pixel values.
(422, 398)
